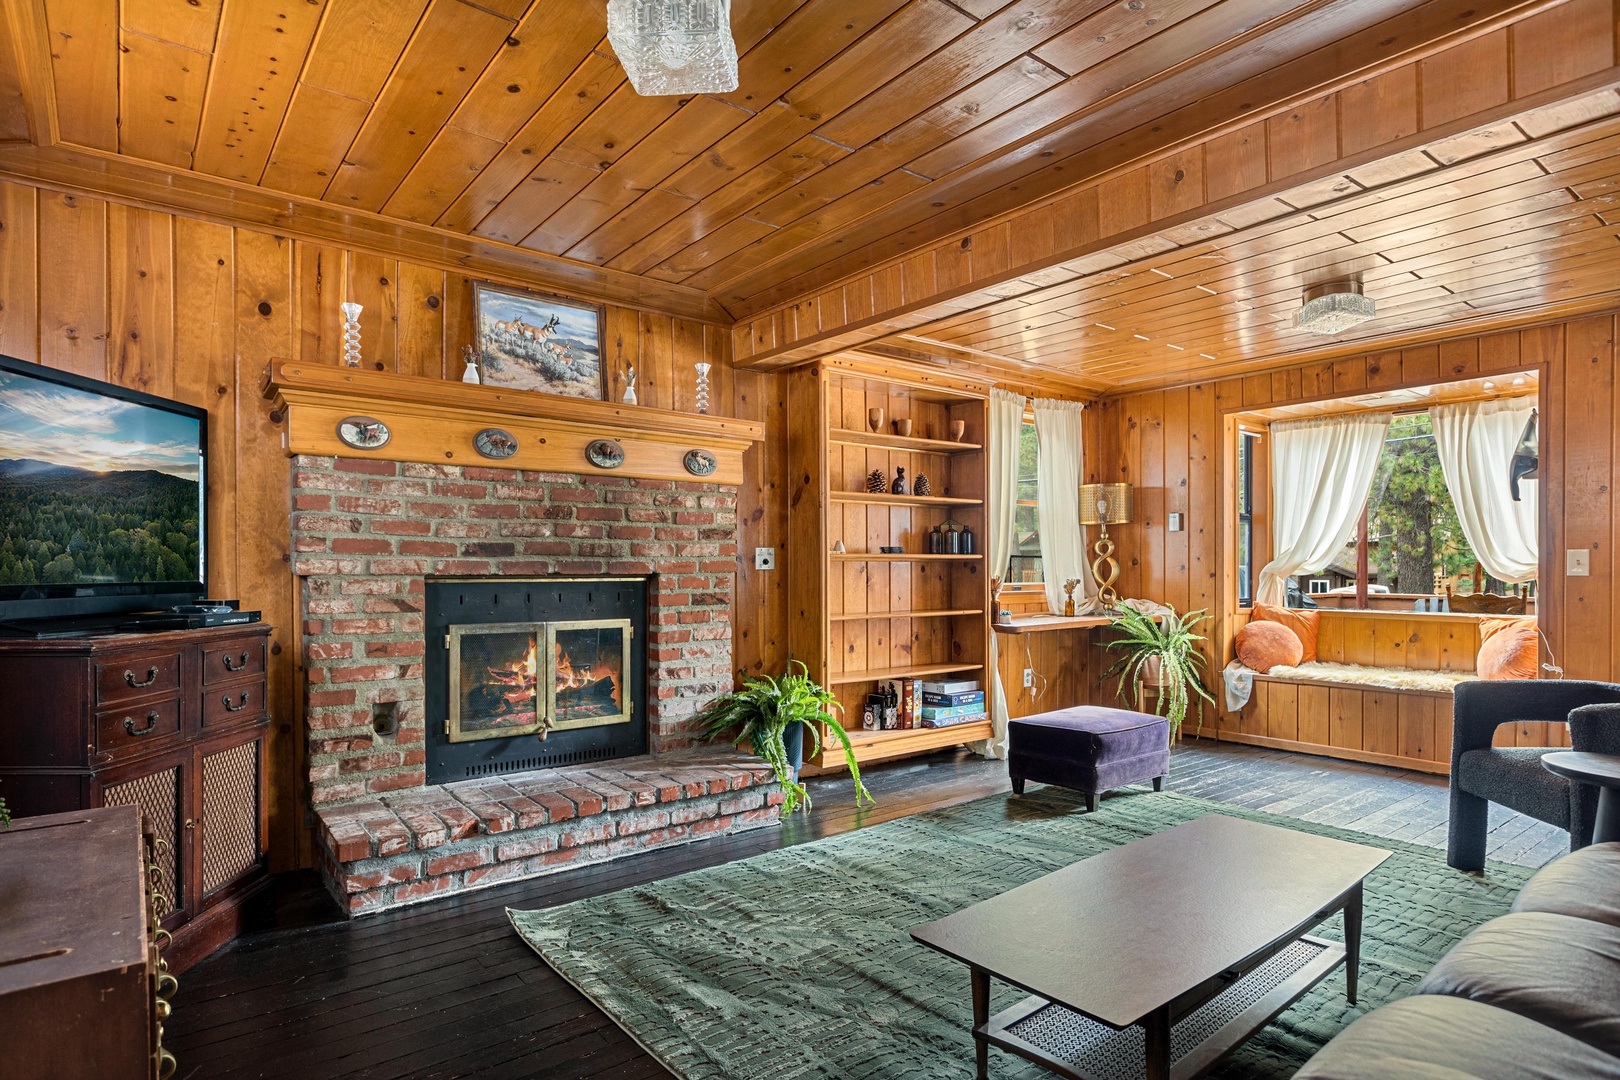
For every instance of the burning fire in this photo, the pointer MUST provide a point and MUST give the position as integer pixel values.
(517, 681)
(568, 677)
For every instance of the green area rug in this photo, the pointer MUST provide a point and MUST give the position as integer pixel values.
(798, 964)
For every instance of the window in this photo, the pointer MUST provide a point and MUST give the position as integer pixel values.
(1024, 568)
(1414, 543)
(1247, 441)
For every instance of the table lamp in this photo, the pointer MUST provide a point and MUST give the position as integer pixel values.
(1105, 505)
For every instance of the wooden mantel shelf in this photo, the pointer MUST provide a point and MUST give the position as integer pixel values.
(435, 421)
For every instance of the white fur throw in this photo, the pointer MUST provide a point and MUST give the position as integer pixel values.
(1240, 680)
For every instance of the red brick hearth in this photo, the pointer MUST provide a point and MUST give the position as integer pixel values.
(367, 534)
(413, 845)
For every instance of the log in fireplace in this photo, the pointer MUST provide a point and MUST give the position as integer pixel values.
(526, 674)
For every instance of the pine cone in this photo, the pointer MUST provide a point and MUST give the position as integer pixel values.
(922, 486)
(877, 483)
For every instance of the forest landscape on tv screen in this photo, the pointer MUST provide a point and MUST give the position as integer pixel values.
(95, 489)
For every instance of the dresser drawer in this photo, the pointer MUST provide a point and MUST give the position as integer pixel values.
(237, 660)
(137, 677)
(137, 727)
(233, 703)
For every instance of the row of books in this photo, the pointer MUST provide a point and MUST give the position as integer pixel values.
(946, 704)
(902, 704)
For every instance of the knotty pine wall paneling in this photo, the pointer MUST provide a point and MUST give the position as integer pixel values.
(195, 310)
(1580, 415)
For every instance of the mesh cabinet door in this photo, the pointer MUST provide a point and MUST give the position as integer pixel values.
(157, 795)
(230, 814)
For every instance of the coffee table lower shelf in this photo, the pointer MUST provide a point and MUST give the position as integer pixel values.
(1080, 1048)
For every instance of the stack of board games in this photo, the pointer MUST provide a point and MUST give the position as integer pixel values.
(945, 704)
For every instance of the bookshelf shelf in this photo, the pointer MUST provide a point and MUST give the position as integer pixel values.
(874, 498)
(878, 616)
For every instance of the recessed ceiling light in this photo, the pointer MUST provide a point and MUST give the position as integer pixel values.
(1334, 308)
(1105, 326)
(1178, 348)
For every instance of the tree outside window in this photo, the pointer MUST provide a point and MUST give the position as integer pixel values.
(1415, 544)
(1024, 568)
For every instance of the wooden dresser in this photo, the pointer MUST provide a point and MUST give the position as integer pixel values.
(172, 723)
(83, 984)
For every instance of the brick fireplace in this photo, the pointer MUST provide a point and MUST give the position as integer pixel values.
(372, 538)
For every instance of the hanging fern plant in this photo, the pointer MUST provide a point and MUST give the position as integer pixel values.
(1167, 645)
(760, 713)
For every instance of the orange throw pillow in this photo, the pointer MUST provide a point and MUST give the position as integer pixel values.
(1509, 649)
(1262, 646)
(1304, 624)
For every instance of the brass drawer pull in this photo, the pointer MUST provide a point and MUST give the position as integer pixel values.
(151, 677)
(235, 667)
(235, 708)
(151, 725)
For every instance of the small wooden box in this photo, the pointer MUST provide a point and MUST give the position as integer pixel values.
(78, 968)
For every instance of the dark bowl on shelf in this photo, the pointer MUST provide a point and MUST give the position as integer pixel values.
(891, 550)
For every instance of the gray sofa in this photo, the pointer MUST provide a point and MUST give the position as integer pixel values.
(1533, 995)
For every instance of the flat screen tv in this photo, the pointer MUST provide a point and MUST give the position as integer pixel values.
(103, 493)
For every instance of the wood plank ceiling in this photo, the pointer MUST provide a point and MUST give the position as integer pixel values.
(1520, 228)
(512, 121)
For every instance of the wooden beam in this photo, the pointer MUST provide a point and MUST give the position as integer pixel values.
(1109, 222)
(30, 43)
(125, 180)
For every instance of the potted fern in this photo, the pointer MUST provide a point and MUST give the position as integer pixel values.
(1161, 651)
(773, 715)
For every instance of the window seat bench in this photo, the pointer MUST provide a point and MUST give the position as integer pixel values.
(1380, 715)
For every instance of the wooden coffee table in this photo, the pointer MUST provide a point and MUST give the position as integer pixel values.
(1157, 958)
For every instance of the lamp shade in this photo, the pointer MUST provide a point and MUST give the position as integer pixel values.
(1105, 504)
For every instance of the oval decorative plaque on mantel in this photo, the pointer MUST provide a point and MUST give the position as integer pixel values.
(700, 462)
(495, 443)
(364, 432)
(605, 454)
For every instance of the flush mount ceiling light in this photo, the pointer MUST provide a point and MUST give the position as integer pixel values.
(1334, 308)
(674, 46)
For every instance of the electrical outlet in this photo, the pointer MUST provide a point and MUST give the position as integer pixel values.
(1577, 562)
(764, 558)
(1029, 678)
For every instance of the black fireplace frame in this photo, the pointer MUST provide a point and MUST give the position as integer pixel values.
(451, 601)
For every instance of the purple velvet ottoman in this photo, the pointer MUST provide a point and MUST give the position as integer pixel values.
(1089, 749)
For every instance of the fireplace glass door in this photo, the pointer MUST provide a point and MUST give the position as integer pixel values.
(589, 659)
(494, 683)
(533, 678)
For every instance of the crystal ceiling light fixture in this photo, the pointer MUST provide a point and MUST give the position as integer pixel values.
(674, 46)
(1334, 308)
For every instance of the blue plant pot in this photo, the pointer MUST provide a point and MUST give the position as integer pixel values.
(793, 743)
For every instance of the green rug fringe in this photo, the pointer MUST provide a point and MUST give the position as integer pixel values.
(797, 963)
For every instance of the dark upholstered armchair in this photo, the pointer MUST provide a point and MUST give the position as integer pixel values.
(1482, 774)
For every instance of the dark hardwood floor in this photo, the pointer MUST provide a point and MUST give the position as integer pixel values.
(448, 990)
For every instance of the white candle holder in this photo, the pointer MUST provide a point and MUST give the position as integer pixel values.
(702, 387)
(351, 333)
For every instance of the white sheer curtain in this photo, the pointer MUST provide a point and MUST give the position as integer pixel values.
(1321, 471)
(1476, 441)
(1057, 481)
(1001, 445)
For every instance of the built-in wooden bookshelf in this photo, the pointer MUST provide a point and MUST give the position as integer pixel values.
(862, 617)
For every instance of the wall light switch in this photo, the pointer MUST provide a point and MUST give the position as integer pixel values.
(1175, 522)
(1577, 562)
(764, 558)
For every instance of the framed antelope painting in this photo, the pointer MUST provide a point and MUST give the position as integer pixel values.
(531, 342)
